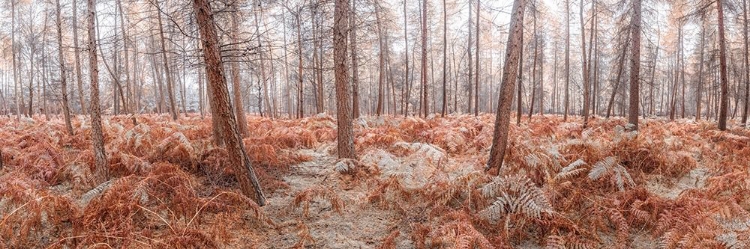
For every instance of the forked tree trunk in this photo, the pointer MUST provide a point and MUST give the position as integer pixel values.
(512, 57)
(343, 118)
(220, 106)
(97, 136)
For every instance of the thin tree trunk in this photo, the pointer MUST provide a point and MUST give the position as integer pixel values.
(63, 80)
(699, 89)
(747, 64)
(470, 67)
(722, 68)
(355, 62)
(167, 72)
(425, 103)
(620, 68)
(445, 56)
(585, 70)
(635, 64)
(381, 62)
(239, 112)
(407, 81)
(220, 105)
(476, 51)
(519, 97)
(97, 137)
(512, 57)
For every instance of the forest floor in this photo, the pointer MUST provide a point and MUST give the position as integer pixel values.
(418, 183)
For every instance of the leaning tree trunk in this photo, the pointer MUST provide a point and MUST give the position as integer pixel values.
(635, 64)
(220, 106)
(97, 136)
(510, 70)
(63, 82)
(343, 107)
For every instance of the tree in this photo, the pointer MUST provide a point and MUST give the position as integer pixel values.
(345, 128)
(747, 64)
(63, 82)
(97, 136)
(567, 58)
(220, 106)
(722, 68)
(425, 103)
(445, 56)
(167, 72)
(510, 70)
(476, 51)
(585, 69)
(635, 64)
(355, 63)
(236, 89)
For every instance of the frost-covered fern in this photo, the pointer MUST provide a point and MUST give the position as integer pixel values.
(515, 194)
(611, 168)
(573, 169)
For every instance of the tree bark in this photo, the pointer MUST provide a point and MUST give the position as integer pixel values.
(345, 128)
(512, 57)
(445, 57)
(167, 72)
(355, 62)
(236, 89)
(620, 69)
(63, 82)
(567, 59)
(476, 52)
(97, 136)
(407, 82)
(723, 69)
(470, 66)
(585, 70)
(425, 103)
(747, 64)
(635, 64)
(381, 62)
(220, 105)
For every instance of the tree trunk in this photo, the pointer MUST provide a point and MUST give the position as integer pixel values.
(300, 85)
(747, 64)
(722, 68)
(533, 67)
(519, 96)
(345, 128)
(476, 52)
(470, 67)
(381, 61)
(512, 57)
(425, 103)
(620, 69)
(63, 82)
(406, 62)
(355, 65)
(699, 88)
(239, 112)
(567, 59)
(635, 64)
(445, 56)
(220, 105)
(585, 70)
(167, 72)
(14, 51)
(97, 136)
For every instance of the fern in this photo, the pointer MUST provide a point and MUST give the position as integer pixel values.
(515, 195)
(611, 168)
(317, 193)
(572, 170)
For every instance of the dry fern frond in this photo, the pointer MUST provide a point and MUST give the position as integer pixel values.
(515, 195)
(610, 168)
(572, 170)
